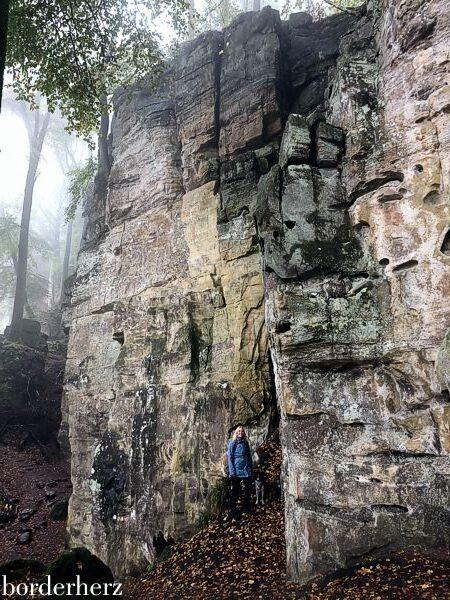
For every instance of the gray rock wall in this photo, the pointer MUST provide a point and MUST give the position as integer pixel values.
(168, 347)
(357, 289)
(251, 199)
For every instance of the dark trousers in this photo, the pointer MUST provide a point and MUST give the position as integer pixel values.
(241, 487)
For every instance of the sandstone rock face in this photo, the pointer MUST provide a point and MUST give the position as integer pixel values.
(168, 347)
(284, 194)
(357, 287)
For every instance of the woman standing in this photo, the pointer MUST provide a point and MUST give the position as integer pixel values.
(240, 469)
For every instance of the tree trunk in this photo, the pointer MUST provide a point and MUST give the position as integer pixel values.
(65, 269)
(22, 257)
(104, 157)
(29, 312)
(191, 19)
(4, 10)
(27, 308)
(54, 278)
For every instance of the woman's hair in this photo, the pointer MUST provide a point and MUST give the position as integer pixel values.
(235, 430)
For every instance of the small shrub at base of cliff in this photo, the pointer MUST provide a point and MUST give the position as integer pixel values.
(217, 496)
(8, 508)
(203, 520)
(216, 502)
(59, 511)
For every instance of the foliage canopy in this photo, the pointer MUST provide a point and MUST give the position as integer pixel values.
(80, 180)
(74, 52)
(319, 8)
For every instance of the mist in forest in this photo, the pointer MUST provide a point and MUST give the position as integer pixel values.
(54, 237)
(61, 154)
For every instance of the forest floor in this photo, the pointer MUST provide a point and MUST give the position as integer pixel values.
(226, 558)
(33, 485)
(246, 559)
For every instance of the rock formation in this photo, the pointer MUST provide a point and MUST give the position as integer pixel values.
(31, 376)
(22, 377)
(286, 187)
(357, 288)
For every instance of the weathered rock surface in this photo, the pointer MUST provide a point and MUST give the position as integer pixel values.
(167, 343)
(288, 178)
(357, 289)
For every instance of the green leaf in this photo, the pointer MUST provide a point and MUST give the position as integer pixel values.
(76, 52)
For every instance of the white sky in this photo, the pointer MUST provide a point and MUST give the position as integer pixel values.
(14, 143)
(14, 154)
(14, 147)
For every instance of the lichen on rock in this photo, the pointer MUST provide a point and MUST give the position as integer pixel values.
(282, 193)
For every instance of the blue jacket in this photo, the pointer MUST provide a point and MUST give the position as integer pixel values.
(239, 459)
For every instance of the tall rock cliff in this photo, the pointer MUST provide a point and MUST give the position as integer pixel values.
(357, 295)
(275, 232)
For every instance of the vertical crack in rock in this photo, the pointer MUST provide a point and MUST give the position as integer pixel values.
(269, 229)
(173, 325)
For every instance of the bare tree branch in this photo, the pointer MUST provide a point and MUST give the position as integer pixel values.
(341, 8)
